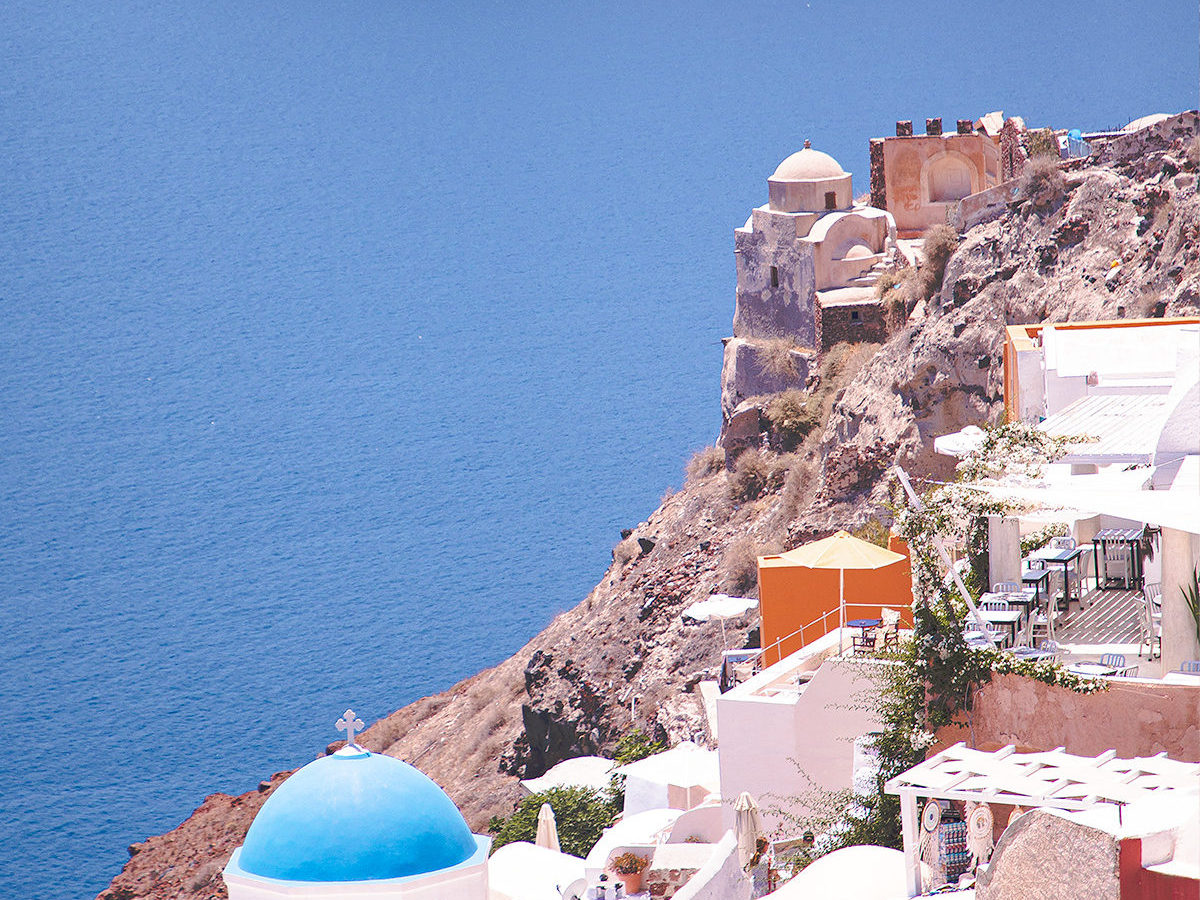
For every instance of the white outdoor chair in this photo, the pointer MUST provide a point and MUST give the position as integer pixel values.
(1006, 587)
(1151, 629)
(996, 605)
(1062, 543)
(1050, 647)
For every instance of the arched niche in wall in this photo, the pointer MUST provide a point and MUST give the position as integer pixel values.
(852, 231)
(949, 176)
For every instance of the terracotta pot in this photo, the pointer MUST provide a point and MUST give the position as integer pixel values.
(632, 882)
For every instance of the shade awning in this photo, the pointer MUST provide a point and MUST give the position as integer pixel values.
(840, 551)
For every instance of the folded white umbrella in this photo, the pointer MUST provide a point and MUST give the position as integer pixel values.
(547, 829)
(747, 826)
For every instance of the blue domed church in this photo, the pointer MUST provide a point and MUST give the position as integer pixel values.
(359, 824)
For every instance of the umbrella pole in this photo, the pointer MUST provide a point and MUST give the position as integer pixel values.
(842, 607)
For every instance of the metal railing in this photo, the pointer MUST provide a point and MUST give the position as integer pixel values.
(760, 659)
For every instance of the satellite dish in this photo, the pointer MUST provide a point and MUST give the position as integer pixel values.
(931, 817)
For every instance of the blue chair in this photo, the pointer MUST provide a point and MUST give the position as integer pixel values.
(1114, 660)
(1190, 667)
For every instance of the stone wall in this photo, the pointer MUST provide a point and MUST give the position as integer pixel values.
(721, 878)
(981, 207)
(853, 322)
(1159, 136)
(1135, 718)
(878, 180)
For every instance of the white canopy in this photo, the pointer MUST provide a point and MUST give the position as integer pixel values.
(580, 771)
(669, 779)
(1053, 778)
(862, 872)
(522, 871)
(960, 443)
(719, 606)
(1169, 509)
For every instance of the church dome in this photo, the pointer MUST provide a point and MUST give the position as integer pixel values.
(356, 816)
(808, 165)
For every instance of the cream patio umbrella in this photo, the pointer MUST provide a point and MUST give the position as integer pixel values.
(747, 827)
(842, 551)
(547, 829)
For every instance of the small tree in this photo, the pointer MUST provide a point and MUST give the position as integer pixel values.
(581, 814)
(636, 745)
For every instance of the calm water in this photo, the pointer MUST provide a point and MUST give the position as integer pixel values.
(339, 342)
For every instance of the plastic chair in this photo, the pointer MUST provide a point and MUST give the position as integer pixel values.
(1050, 647)
(1062, 543)
(1115, 660)
(1190, 666)
(1152, 591)
(1151, 629)
(996, 605)
(1006, 587)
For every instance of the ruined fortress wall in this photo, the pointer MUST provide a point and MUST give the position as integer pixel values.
(776, 285)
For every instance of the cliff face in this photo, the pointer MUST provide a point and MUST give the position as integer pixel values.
(567, 691)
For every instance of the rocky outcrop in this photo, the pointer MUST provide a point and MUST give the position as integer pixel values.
(752, 368)
(568, 691)
(1120, 242)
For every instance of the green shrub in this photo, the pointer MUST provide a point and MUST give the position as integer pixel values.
(873, 532)
(581, 814)
(1041, 143)
(886, 282)
(636, 745)
(940, 242)
(739, 564)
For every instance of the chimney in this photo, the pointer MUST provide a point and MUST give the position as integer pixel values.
(965, 126)
(904, 128)
(807, 144)
(933, 126)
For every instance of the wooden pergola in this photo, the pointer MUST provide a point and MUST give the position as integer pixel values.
(1053, 779)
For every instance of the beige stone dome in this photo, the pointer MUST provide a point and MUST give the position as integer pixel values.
(808, 165)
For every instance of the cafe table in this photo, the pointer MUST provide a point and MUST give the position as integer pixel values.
(1009, 617)
(1064, 557)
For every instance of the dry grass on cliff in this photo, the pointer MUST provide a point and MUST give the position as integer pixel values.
(1042, 182)
(705, 463)
(739, 564)
(774, 357)
(901, 291)
(757, 472)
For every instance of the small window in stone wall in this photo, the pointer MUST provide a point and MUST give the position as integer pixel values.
(831, 199)
(854, 316)
(774, 276)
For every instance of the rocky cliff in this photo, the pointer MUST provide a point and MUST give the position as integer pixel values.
(567, 691)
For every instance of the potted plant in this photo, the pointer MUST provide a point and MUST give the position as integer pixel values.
(629, 867)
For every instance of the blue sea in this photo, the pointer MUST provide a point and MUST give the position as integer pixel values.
(339, 341)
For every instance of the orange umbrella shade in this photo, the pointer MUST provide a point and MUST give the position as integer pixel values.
(841, 551)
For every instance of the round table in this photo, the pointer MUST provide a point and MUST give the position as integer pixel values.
(1092, 669)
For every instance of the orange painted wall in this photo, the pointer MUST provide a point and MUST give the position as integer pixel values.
(791, 597)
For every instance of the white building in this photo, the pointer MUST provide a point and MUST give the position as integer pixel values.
(792, 727)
